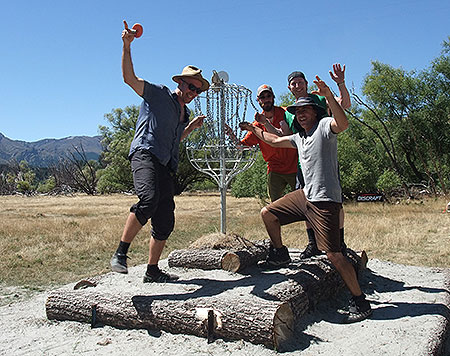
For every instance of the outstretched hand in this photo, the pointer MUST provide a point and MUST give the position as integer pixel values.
(338, 74)
(127, 34)
(322, 87)
(197, 121)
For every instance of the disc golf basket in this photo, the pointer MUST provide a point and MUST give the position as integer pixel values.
(211, 150)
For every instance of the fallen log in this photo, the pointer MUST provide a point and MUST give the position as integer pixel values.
(312, 280)
(232, 260)
(206, 259)
(267, 322)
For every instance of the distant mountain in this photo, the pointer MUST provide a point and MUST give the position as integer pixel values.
(45, 152)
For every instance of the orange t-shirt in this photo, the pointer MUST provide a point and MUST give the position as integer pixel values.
(279, 160)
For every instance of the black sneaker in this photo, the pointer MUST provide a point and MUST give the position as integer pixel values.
(278, 258)
(358, 311)
(310, 251)
(119, 263)
(159, 277)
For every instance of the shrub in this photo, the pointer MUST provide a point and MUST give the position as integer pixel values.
(388, 181)
(252, 182)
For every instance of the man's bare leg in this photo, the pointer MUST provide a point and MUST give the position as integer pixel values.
(359, 308)
(273, 227)
(131, 229)
(346, 270)
(153, 273)
(155, 250)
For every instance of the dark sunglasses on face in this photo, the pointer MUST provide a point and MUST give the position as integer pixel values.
(267, 96)
(192, 87)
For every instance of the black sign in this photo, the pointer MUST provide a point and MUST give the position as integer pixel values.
(369, 197)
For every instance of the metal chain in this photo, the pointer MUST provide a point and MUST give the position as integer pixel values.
(234, 99)
(197, 107)
(253, 105)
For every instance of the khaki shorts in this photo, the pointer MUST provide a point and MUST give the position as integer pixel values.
(277, 183)
(323, 217)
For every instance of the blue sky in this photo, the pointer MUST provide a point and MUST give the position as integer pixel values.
(60, 60)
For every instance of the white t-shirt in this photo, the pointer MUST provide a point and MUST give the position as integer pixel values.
(317, 152)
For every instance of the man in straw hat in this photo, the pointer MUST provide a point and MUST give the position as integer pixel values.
(162, 123)
(320, 201)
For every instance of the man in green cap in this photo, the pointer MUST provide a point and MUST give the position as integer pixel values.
(319, 202)
(298, 86)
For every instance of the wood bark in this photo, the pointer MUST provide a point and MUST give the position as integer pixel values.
(232, 260)
(312, 280)
(267, 322)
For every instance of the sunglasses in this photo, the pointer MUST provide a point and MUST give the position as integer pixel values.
(192, 87)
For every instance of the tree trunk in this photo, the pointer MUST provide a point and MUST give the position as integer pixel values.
(259, 321)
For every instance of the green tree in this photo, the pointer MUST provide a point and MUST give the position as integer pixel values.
(358, 166)
(21, 177)
(388, 181)
(286, 99)
(406, 115)
(47, 185)
(252, 182)
(437, 115)
(116, 141)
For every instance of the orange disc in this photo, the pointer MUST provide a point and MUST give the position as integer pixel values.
(139, 30)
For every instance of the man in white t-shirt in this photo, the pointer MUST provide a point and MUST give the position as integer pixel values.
(320, 201)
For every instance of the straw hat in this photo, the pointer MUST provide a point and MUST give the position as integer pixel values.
(192, 72)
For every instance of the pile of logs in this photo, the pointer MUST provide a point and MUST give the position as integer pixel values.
(265, 315)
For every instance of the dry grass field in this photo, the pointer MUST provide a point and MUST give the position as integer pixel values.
(51, 240)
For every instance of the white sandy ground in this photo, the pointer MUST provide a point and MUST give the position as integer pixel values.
(411, 315)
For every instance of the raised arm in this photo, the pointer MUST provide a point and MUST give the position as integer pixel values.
(338, 75)
(340, 121)
(127, 65)
(267, 137)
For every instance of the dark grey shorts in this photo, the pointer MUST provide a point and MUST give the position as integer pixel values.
(323, 217)
(153, 183)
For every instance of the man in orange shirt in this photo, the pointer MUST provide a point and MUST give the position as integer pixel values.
(281, 162)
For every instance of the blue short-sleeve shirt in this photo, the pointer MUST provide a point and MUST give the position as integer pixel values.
(158, 128)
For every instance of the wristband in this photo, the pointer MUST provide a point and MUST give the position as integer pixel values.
(341, 83)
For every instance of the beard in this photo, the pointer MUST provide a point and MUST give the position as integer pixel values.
(268, 106)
